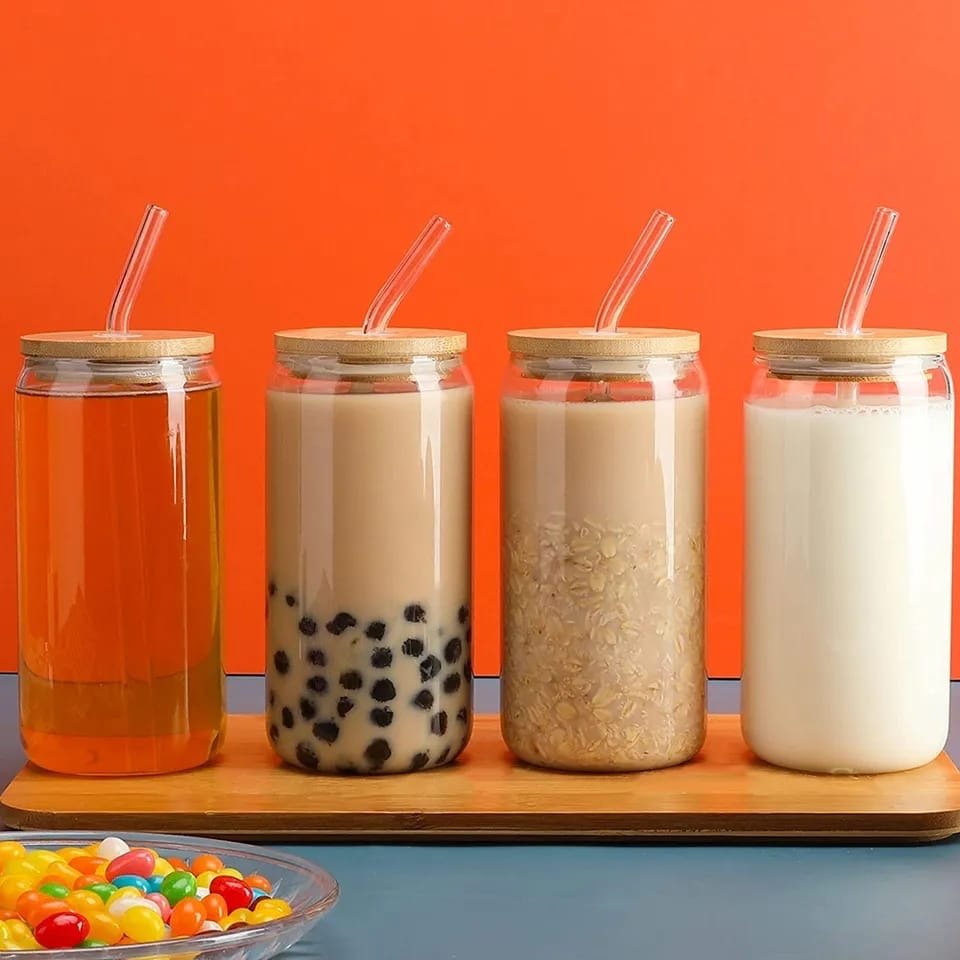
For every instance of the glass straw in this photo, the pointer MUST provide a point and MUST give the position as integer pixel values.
(865, 272)
(408, 271)
(118, 319)
(632, 271)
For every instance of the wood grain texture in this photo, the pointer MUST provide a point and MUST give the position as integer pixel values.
(724, 794)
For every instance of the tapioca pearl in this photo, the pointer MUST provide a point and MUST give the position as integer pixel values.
(381, 658)
(342, 621)
(423, 700)
(381, 716)
(286, 718)
(291, 600)
(281, 662)
(462, 714)
(376, 630)
(327, 731)
(306, 756)
(414, 613)
(344, 706)
(438, 723)
(453, 649)
(308, 709)
(274, 732)
(412, 647)
(443, 756)
(430, 666)
(351, 680)
(316, 657)
(383, 690)
(463, 613)
(451, 683)
(378, 752)
(271, 588)
(318, 684)
(307, 626)
(419, 761)
(271, 698)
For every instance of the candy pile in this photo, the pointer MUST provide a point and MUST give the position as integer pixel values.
(107, 894)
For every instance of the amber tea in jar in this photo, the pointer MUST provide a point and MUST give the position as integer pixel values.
(603, 442)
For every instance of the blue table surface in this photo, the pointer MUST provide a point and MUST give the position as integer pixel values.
(591, 901)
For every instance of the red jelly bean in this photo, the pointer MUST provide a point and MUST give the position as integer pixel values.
(62, 931)
(237, 893)
(136, 863)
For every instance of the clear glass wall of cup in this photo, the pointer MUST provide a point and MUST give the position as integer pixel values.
(119, 523)
(368, 549)
(849, 505)
(603, 441)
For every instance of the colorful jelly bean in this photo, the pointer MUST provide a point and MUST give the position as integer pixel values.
(215, 906)
(103, 927)
(235, 891)
(56, 890)
(187, 918)
(142, 925)
(61, 930)
(137, 862)
(131, 880)
(258, 882)
(155, 882)
(103, 890)
(112, 847)
(206, 862)
(161, 901)
(177, 885)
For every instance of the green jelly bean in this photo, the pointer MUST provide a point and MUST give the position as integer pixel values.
(178, 885)
(56, 890)
(91, 943)
(102, 890)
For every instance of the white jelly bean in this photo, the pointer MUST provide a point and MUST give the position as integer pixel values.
(211, 926)
(112, 847)
(119, 907)
(202, 892)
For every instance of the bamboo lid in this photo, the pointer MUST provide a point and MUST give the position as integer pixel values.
(623, 342)
(394, 343)
(869, 345)
(101, 345)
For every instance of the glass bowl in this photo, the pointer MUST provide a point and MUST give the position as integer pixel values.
(309, 889)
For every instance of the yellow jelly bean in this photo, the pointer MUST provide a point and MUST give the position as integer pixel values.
(71, 853)
(225, 872)
(21, 935)
(280, 907)
(4, 934)
(11, 888)
(41, 858)
(103, 927)
(84, 901)
(265, 916)
(238, 916)
(204, 879)
(142, 925)
(101, 870)
(11, 850)
(122, 894)
(162, 867)
(21, 867)
(63, 871)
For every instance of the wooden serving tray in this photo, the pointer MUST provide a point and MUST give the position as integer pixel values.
(724, 794)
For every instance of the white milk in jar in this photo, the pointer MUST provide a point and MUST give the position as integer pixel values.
(849, 500)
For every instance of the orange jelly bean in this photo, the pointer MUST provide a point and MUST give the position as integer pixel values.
(40, 913)
(9, 915)
(215, 906)
(259, 882)
(30, 901)
(204, 862)
(86, 880)
(88, 865)
(178, 864)
(103, 927)
(187, 918)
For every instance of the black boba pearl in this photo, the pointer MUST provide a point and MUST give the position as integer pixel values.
(419, 761)
(317, 684)
(463, 613)
(271, 698)
(376, 630)
(274, 732)
(438, 723)
(423, 700)
(346, 768)
(306, 756)
(412, 647)
(281, 661)
(291, 599)
(342, 621)
(442, 758)
(307, 626)
(453, 649)
(351, 680)
(381, 657)
(467, 670)
(415, 614)
(271, 588)
(378, 752)
(317, 657)
(451, 683)
(308, 709)
(286, 717)
(462, 714)
(344, 706)
(429, 668)
(327, 731)
(381, 716)
(383, 690)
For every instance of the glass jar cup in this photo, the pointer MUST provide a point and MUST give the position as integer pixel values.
(603, 444)
(848, 547)
(368, 549)
(119, 548)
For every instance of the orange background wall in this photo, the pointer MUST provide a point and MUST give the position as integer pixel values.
(301, 144)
